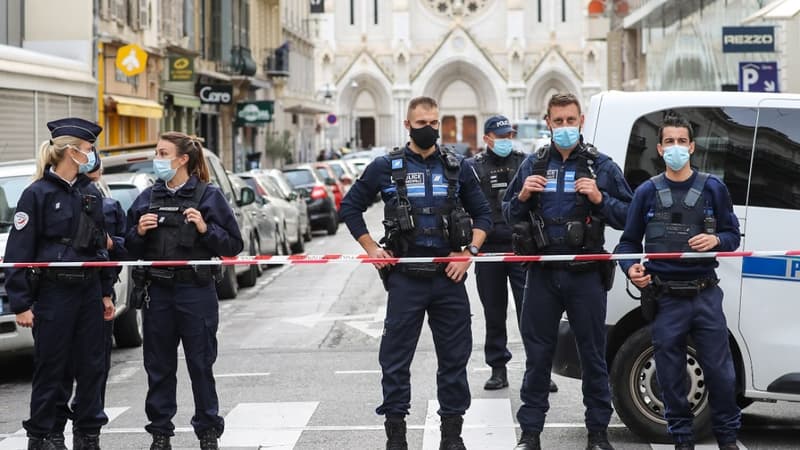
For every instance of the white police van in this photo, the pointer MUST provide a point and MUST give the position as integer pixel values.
(752, 142)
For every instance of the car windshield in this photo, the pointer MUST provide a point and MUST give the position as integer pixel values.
(323, 172)
(136, 167)
(125, 194)
(300, 177)
(337, 169)
(282, 184)
(10, 191)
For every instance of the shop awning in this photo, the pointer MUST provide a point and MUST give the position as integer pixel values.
(779, 10)
(187, 101)
(305, 109)
(137, 107)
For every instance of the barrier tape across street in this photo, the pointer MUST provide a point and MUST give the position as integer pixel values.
(365, 259)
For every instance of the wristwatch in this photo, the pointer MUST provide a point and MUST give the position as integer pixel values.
(473, 249)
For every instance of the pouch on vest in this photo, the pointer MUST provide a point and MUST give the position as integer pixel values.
(459, 228)
(88, 237)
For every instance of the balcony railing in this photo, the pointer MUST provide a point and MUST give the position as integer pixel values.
(277, 63)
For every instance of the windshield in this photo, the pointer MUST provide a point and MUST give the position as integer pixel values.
(136, 167)
(528, 130)
(300, 177)
(10, 191)
(125, 194)
(337, 169)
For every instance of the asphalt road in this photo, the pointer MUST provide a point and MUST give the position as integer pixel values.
(298, 369)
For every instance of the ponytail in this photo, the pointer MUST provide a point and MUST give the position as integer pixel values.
(51, 152)
(192, 146)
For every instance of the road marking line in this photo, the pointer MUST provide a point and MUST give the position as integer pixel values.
(488, 423)
(235, 375)
(355, 372)
(19, 439)
(696, 446)
(267, 425)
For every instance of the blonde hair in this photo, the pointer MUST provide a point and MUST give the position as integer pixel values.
(51, 152)
(193, 146)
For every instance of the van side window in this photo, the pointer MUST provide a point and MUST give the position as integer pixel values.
(775, 182)
(723, 142)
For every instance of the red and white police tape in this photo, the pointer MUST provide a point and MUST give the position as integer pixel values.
(365, 259)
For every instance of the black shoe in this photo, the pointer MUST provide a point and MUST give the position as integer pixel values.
(85, 441)
(529, 441)
(553, 387)
(160, 442)
(684, 446)
(39, 443)
(57, 439)
(498, 380)
(729, 446)
(451, 432)
(208, 439)
(598, 440)
(395, 433)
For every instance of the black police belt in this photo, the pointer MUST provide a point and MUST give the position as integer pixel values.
(688, 288)
(69, 275)
(420, 270)
(169, 276)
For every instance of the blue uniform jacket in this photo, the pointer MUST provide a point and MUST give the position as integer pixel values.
(642, 209)
(46, 211)
(222, 237)
(558, 199)
(427, 187)
(115, 226)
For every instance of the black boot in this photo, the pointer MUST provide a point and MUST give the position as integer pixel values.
(553, 387)
(529, 441)
(395, 433)
(39, 443)
(598, 440)
(729, 446)
(208, 439)
(498, 380)
(57, 439)
(85, 441)
(684, 446)
(451, 433)
(160, 442)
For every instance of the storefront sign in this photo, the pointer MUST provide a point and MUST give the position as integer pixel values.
(181, 68)
(131, 60)
(748, 39)
(215, 94)
(254, 113)
(317, 6)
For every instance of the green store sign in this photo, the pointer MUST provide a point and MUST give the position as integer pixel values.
(254, 113)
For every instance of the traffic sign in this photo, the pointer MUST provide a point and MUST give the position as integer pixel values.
(331, 119)
(758, 76)
(131, 60)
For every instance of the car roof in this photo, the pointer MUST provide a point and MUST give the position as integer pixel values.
(18, 168)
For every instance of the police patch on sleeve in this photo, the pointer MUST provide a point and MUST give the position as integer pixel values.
(20, 220)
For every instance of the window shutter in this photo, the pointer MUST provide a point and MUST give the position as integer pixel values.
(144, 14)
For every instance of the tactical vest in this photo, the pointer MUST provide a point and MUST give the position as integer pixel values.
(174, 237)
(674, 223)
(431, 221)
(579, 230)
(495, 174)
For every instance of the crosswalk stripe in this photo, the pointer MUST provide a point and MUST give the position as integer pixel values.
(487, 424)
(712, 446)
(19, 439)
(276, 426)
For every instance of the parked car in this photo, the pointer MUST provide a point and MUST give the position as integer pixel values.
(142, 162)
(344, 172)
(14, 178)
(273, 202)
(328, 176)
(266, 233)
(295, 197)
(321, 207)
(125, 187)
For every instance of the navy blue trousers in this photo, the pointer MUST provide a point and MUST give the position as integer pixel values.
(68, 333)
(188, 314)
(449, 317)
(700, 317)
(548, 293)
(492, 280)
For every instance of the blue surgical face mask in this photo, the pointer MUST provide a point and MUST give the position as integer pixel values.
(89, 164)
(163, 169)
(502, 147)
(566, 137)
(676, 156)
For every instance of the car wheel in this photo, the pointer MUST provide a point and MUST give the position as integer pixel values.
(637, 394)
(227, 287)
(333, 224)
(299, 247)
(128, 328)
(249, 278)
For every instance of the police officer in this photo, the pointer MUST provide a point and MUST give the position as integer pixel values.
(59, 217)
(677, 203)
(495, 168)
(181, 217)
(565, 194)
(114, 218)
(426, 190)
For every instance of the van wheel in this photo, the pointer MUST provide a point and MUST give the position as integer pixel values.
(128, 328)
(637, 394)
(249, 278)
(333, 224)
(227, 288)
(299, 247)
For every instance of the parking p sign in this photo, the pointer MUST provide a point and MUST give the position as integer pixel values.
(758, 76)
